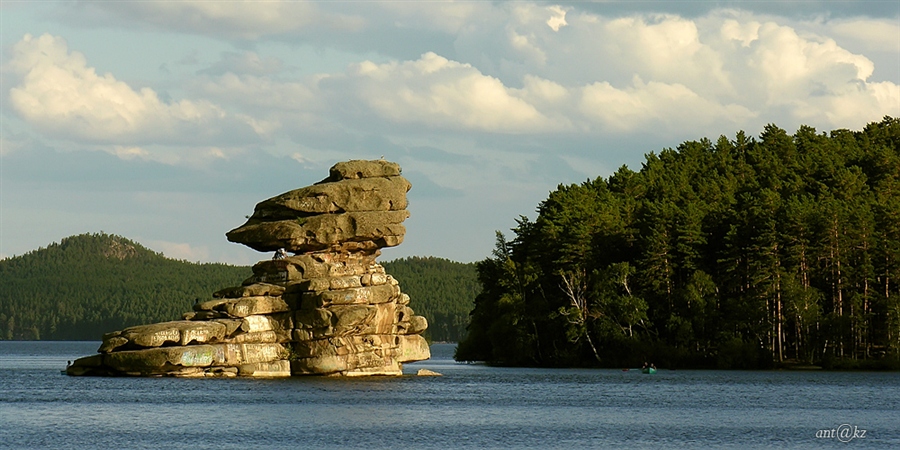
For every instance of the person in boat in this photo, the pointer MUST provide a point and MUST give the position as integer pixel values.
(644, 366)
(279, 254)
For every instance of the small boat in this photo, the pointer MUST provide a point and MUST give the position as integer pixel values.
(648, 370)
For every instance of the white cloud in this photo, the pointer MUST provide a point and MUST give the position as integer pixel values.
(193, 156)
(727, 70)
(876, 34)
(441, 93)
(63, 97)
(656, 45)
(732, 61)
(518, 68)
(558, 18)
(787, 60)
(655, 105)
(540, 90)
(813, 79)
(746, 32)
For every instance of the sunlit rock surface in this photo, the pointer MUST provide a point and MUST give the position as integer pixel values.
(325, 308)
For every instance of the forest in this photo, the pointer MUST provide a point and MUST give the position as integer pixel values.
(91, 284)
(776, 251)
(441, 290)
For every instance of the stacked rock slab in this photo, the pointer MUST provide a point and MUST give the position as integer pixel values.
(327, 309)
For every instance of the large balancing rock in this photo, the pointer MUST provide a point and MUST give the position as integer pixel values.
(359, 207)
(364, 194)
(349, 170)
(360, 230)
(329, 309)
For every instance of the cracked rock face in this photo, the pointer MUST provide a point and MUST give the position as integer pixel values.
(327, 309)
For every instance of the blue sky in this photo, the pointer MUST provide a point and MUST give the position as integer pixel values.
(166, 122)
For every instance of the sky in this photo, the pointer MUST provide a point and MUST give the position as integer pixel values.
(166, 122)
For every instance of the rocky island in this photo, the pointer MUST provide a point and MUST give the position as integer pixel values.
(321, 306)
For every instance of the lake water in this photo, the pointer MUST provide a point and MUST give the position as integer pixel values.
(471, 406)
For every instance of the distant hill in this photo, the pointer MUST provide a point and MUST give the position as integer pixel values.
(441, 290)
(91, 284)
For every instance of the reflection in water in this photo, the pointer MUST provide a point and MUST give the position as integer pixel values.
(471, 406)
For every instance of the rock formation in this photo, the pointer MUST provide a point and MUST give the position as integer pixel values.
(327, 309)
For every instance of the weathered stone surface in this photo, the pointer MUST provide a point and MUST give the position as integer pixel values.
(243, 306)
(162, 360)
(280, 368)
(350, 320)
(412, 347)
(159, 360)
(407, 348)
(355, 296)
(332, 283)
(369, 230)
(374, 279)
(349, 170)
(357, 364)
(344, 345)
(271, 322)
(181, 332)
(428, 373)
(359, 355)
(250, 290)
(88, 365)
(293, 272)
(313, 318)
(112, 341)
(260, 337)
(329, 309)
(232, 326)
(417, 325)
(367, 194)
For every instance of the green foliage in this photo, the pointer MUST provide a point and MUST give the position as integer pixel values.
(440, 290)
(734, 254)
(90, 284)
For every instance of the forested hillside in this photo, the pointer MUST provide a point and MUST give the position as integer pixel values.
(90, 284)
(441, 290)
(736, 253)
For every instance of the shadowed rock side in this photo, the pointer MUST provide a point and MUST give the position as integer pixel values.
(328, 309)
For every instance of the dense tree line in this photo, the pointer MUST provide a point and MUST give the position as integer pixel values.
(738, 253)
(90, 284)
(441, 290)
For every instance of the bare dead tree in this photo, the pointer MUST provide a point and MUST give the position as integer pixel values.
(574, 285)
